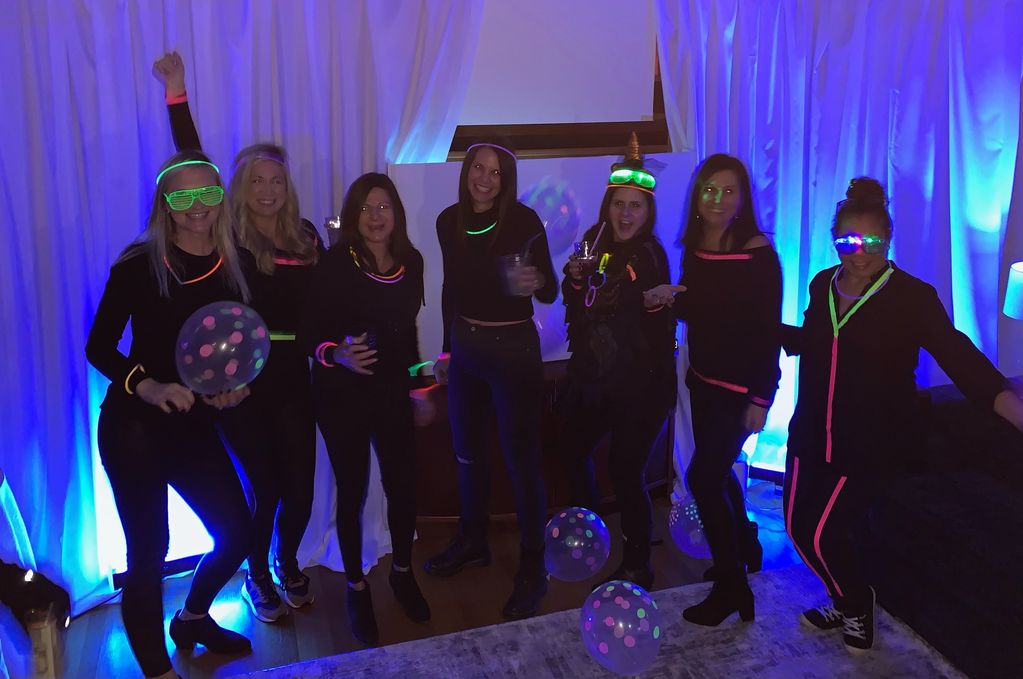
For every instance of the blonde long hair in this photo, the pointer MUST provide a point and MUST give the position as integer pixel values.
(289, 230)
(155, 242)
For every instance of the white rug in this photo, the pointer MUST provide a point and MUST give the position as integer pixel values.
(775, 646)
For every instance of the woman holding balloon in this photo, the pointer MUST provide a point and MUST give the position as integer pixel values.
(496, 259)
(360, 327)
(274, 433)
(152, 430)
(621, 377)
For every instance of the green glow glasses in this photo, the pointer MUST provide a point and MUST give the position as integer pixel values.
(636, 177)
(179, 201)
(851, 243)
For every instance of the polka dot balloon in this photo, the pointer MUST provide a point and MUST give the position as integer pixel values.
(576, 544)
(686, 528)
(221, 347)
(621, 627)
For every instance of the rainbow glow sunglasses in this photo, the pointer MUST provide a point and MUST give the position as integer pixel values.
(179, 201)
(630, 176)
(851, 243)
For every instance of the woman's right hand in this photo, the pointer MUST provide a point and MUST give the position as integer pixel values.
(440, 368)
(661, 295)
(355, 355)
(163, 395)
(575, 268)
(170, 70)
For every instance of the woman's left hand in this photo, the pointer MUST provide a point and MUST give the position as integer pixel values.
(1010, 406)
(227, 399)
(530, 280)
(754, 419)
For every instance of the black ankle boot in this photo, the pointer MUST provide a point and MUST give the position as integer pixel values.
(635, 566)
(728, 595)
(750, 551)
(360, 613)
(461, 553)
(205, 630)
(408, 594)
(530, 586)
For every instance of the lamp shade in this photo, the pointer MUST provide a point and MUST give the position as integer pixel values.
(1014, 292)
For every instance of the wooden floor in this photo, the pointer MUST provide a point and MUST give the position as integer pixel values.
(96, 646)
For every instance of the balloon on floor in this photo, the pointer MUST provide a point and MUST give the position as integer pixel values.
(576, 543)
(686, 528)
(621, 627)
(221, 347)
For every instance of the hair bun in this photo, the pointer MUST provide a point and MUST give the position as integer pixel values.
(866, 190)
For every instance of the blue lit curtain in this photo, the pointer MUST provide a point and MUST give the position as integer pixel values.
(346, 86)
(923, 95)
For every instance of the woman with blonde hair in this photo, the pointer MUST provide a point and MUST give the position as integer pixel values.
(274, 435)
(152, 431)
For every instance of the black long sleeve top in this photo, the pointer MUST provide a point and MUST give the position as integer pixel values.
(472, 275)
(132, 295)
(285, 289)
(732, 309)
(857, 407)
(618, 345)
(344, 300)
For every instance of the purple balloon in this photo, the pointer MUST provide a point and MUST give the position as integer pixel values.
(686, 528)
(576, 544)
(554, 202)
(221, 347)
(621, 627)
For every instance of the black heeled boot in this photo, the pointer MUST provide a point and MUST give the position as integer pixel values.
(407, 592)
(530, 587)
(635, 566)
(205, 630)
(359, 603)
(750, 551)
(729, 594)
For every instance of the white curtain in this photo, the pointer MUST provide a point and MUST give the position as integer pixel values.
(346, 86)
(923, 95)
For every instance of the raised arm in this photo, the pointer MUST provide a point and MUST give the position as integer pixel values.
(170, 71)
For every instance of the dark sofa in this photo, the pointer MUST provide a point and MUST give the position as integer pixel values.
(945, 542)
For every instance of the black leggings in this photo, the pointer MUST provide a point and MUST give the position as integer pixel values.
(824, 511)
(497, 370)
(634, 426)
(141, 457)
(719, 434)
(273, 435)
(378, 411)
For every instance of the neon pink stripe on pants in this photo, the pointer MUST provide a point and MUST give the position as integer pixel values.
(820, 529)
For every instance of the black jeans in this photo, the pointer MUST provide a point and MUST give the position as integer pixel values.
(378, 410)
(498, 370)
(633, 425)
(719, 434)
(141, 457)
(273, 435)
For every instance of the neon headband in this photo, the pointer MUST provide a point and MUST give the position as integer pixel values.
(493, 146)
(182, 164)
(267, 155)
(637, 177)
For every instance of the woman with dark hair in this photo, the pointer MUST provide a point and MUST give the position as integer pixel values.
(496, 259)
(360, 326)
(732, 311)
(152, 431)
(274, 433)
(857, 411)
(621, 376)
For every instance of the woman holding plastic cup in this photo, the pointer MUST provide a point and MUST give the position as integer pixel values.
(621, 377)
(496, 259)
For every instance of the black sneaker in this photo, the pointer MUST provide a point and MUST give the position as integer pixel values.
(530, 588)
(360, 614)
(825, 617)
(461, 553)
(407, 592)
(294, 586)
(858, 630)
(264, 602)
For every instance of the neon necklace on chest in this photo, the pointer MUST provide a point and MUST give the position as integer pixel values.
(837, 324)
(591, 292)
(220, 260)
(393, 278)
(481, 231)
